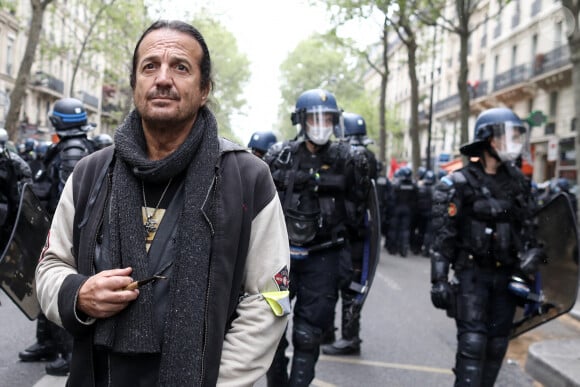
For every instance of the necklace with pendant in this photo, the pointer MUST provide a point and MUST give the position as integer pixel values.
(151, 224)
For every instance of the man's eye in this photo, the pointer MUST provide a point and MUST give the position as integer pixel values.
(181, 67)
(148, 66)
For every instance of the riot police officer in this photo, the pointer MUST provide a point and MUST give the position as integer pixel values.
(260, 142)
(422, 231)
(14, 172)
(314, 177)
(69, 119)
(404, 191)
(365, 172)
(483, 230)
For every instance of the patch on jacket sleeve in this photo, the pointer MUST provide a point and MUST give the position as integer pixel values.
(282, 279)
(452, 210)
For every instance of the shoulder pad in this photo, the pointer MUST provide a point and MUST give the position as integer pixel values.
(456, 178)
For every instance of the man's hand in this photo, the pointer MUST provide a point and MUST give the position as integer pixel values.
(441, 295)
(102, 295)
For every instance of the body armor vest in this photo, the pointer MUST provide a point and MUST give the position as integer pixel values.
(312, 191)
(490, 206)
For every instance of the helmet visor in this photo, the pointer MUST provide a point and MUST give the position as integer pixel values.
(319, 125)
(510, 140)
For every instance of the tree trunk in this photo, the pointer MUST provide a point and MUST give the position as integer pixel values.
(463, 90)
(383, 101)
(96, 19)
(414, 124)
(19, 92)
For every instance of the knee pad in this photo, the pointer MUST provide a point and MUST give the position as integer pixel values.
(306, 337)
(496, 348)
(472, 345)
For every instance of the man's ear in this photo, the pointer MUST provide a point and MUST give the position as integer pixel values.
(204, 95)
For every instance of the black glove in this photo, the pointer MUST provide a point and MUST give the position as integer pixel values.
(441, 295)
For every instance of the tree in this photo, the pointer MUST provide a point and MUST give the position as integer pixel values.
(406, 28)
(344, 11)
(231, 72)
(574, 42)
(317, 62)
(19, 91)
(460, 22)
(88, 35)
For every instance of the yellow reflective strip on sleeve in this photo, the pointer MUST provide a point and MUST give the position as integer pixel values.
(279, 302)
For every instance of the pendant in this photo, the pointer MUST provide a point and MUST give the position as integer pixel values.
(150, 224)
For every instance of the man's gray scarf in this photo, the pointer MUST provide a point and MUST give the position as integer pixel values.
(132, 331)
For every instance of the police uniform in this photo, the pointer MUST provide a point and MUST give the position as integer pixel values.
(314, 187)
(69, 120)
(482, 224)
(365, 172)
(404, 191)
(14, 172)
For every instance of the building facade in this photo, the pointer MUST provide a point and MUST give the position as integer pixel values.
(517, 58)
(53, 73)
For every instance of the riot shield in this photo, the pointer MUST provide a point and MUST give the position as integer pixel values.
(371, 247)
(554, 287)
(20, 256)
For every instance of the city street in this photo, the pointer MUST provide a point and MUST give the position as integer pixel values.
(406, 341)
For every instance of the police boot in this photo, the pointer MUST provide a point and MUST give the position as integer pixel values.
(349, 344)
(303, 365)
(329, 336)
(60, 366)
(496, 349)
(45, 347)
(467, 373)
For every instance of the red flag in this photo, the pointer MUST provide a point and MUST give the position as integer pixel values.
(394, 167)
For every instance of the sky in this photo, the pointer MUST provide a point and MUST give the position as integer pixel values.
(266, 30)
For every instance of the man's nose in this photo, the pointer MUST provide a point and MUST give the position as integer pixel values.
(164, 74)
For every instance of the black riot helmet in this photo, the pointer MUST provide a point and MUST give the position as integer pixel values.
(69, 117)
(317, 114)
(103, 140)
(260, 142)
(503, 125)
(354, 124)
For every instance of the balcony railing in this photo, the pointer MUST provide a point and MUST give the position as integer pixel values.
(551, 60)
(480, 90)
(511, 77)
(89, 99)
(446, 103)
(46, 80)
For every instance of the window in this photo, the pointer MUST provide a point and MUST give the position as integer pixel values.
(514, 55)
(10, 55)
(516, 14)
(534, 45)
(553, 104)
(558, 34)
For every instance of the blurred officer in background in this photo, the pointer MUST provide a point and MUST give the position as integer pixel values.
(260, 142)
